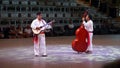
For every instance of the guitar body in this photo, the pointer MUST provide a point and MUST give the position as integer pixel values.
(36, 31)
(81, 42)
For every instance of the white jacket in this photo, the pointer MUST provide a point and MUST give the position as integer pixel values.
(88, 25)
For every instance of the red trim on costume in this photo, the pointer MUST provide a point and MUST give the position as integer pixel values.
(35, 38)
(90, 31)
(42, 32)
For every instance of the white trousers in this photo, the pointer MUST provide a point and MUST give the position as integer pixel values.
(90, 47)
(40, 47)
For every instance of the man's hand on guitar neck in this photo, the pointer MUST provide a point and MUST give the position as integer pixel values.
(51, 23)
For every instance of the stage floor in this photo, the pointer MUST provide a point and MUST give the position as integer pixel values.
(18, 53)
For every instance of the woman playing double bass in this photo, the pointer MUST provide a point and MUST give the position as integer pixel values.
(84, 34)
(88, 24)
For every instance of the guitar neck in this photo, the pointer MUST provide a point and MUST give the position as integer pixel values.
(47, 24)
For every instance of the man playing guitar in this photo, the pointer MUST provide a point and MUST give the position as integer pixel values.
(38, 26)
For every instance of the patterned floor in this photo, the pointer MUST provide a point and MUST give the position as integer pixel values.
(16, 53)
(62, 53)
(66, 54)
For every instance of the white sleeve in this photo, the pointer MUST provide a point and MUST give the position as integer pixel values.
(33, 25)
(86, 24)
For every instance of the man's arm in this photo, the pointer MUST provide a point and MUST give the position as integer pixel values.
(84, 22)
(33, 25)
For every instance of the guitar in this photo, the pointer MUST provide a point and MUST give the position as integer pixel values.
(37, 31)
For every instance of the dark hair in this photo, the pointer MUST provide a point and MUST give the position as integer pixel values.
(38, 13)
(90, 16)
(85, 13)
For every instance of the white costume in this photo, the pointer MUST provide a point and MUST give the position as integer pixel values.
(40, 46)
(89, 27)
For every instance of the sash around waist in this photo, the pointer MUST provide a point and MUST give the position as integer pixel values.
(42, 33)
(90, 31)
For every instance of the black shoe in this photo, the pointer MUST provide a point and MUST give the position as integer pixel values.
(36, 55)
(79, 52)
(88, 52)
(44, 55)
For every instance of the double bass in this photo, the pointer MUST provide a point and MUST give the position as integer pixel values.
(81, 42)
